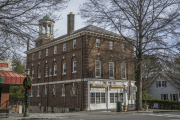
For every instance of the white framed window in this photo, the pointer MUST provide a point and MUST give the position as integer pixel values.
(103, 98)
(123, 47)
(98, 43)
(111, 69)
(97, 97)
(55, 69)
(33, 56)
(111, 45)
(39, 54)
(38, 92)
(54, 91)
(45, 91)
(50, 71)
(112, 98)
(74, 66)
(33, 74)
(64, 47)
(164, 96)
(46, 52)
(73, 90)
(92, 97)
(55, 49)
(46, 71)
(39, 73)
(123, 70)
(63, 91)
(159, 83)
(64, 68)
(74, 43)
(98, 68)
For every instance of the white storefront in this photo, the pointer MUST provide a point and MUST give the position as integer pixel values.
(104, 93)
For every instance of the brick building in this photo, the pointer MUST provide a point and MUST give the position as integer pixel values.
(86, 68)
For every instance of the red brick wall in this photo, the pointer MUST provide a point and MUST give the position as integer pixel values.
(4, 65)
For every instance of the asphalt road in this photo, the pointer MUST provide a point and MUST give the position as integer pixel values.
(132, 116)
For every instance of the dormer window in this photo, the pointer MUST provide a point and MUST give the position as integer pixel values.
(98, 43)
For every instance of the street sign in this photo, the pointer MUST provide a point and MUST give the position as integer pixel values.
(1, 79)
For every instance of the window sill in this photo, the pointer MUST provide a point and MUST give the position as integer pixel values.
(39, 77)
(46, 76)
(98, 77)
(38, 96)
(64, 74)
(31, 96)
(111, 78)
(74, 72)
(124, 78)
(62, 95)
(55, 75)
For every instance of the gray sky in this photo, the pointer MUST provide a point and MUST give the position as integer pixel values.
(61, 25)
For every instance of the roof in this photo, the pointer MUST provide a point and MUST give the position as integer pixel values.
(10, 77)
(165, 75)
(91, 28)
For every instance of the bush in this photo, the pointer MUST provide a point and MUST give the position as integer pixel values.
(163, 104)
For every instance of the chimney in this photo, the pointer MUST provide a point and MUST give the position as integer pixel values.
(70, 23)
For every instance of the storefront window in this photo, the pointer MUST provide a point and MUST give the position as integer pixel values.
(97, 97)
(92, 97)
(111, 97)
(102, 97)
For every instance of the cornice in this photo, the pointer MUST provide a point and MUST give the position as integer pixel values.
(84, 32)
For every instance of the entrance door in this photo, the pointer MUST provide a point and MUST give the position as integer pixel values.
(0, 96)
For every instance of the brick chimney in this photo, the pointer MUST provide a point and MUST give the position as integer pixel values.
(70, 23)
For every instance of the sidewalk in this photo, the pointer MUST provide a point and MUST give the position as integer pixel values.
(15, 116)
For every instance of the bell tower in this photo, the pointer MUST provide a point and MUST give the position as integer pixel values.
(46, 31)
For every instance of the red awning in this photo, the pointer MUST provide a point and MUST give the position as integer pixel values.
(10, 77)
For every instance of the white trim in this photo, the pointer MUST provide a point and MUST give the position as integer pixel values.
(39, 54)
(55, 66)
(33, 56)
(111, 45)
(124, 71)
(99, 42)
(123, 47)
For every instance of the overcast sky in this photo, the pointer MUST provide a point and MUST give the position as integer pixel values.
(61, 25)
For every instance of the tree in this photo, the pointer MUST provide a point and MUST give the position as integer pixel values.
(16, 94)
(18, 21)
(152, 24)
(17, 65)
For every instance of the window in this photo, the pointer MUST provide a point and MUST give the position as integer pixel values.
(159, 83)
(45, 91)
(98, 68)
(97, 97)
(111, 69)
(98, 43)
(38, 91)
(73, 90)
(92, 97)
(46, 71)
(55, 49)
(163, 83)
(123, 47)
(74, 43)
(39, 54)
(33, 74)
(64, 68)
(123, 70)
(54, 91)
(63, 91)
(33, 56)
(74, 66)
(164, 96)
(39, 73)
(50, 71)
(64, 47)
(46, 52)
(55, 70)
(111, 97)
(110, 45)
(102, 97)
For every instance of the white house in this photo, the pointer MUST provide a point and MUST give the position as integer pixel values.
(163, 87)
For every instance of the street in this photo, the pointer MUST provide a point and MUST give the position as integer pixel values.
(101, 115)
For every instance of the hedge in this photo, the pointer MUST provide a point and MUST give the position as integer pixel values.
(163, 104)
